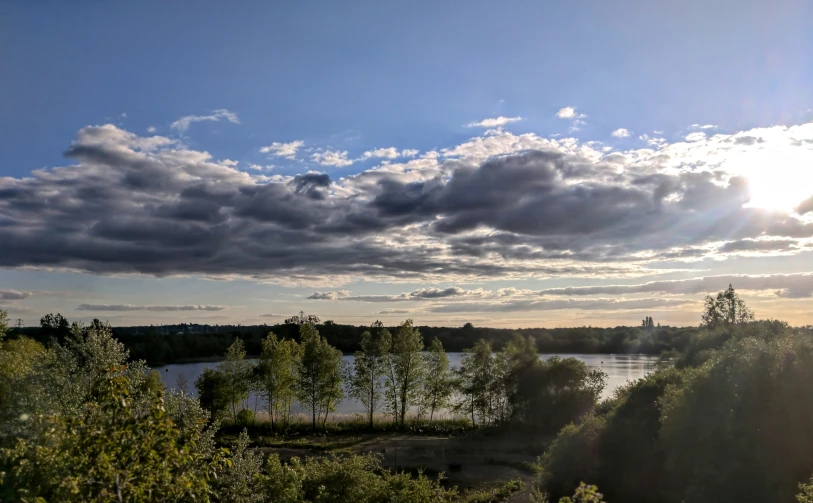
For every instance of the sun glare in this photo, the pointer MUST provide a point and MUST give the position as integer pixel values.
(777, 181)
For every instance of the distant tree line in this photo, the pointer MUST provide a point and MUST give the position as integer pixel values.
(161, 349)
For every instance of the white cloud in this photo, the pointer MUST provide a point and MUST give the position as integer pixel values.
(569, 113)
(257, 167)
(389, 153)
(698, 136)
(385, 153)
(183, 123)
(286, 150)
(151, 129)
(704, 126)
(494, 122)
(621, 133)
(336, 158)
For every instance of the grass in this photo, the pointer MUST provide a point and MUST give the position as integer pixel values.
(300, 424)
(523, 466)
(501, 493)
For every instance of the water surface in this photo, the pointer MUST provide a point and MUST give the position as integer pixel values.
(620, 370)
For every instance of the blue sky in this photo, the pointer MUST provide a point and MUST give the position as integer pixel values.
(353, 77)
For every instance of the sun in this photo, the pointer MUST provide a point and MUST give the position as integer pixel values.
(778, 181)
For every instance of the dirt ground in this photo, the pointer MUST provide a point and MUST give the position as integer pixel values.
(486, 459)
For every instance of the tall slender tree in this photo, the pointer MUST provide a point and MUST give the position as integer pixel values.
(236, 372)
(369, 367)
(276, 376)
(406, 369)
(476, 382)
(318, 383)
(439, 381)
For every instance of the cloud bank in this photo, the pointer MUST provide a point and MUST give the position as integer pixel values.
(496, 206)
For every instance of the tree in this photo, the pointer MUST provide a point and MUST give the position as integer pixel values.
(302, 319)
(3, 324)
(439, 381)
(369, 366)
(405, 370)
(318, 384)
(276, 375)
(726, 309)
(55, 325)
(211, 386)
(110, 452)
(476, 382)
(236, 371)
(648, 323)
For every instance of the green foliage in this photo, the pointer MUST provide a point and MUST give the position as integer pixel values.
(739, 427)
(584, 494)
(617, 447)
(726, 309)
(239, 482)
(731, 425)
(439, 381)
(275, 376)
(353, 478)
(211, 387)
(476, 378)
(405, 370)
(805, 492)
(236, 372)
(318, 384)
(502, 493)
(3, 324)
(369, 366)
(109, 452)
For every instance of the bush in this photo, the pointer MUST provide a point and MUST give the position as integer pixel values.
(245, 417)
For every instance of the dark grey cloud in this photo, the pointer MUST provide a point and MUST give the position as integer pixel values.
(132, 307)
(13, 295)
(149, 205)
(269, 315)
(764, 245)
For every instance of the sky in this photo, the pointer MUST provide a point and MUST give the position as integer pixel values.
(508, 164)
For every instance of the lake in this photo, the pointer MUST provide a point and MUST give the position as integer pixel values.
(620, 370)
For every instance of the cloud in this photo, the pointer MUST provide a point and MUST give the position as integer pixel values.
(183, 123)
(328, 295)
(394, 311)
(705, 126)
(268, 315)
(556, 305)
(621, 133)
(569, 113)
(286, 150)
(389, 153)
(132, 307)
(335, 158)
(799, 284)
(698, 136)
(502, 207)
(494, 122)
(419, 294)
(13, 295)
(151, 129)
